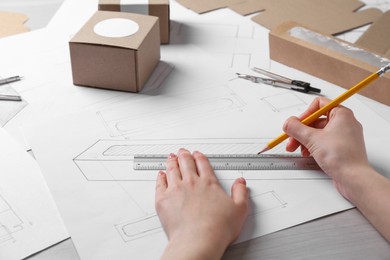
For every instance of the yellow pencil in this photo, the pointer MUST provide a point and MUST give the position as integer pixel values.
(322, 111)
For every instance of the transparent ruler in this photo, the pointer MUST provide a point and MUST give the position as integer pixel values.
(235, 162)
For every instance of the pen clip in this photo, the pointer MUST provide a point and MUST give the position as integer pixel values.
(297, 85)
(304, 87)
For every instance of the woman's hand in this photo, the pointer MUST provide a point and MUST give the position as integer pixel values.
(197, 215)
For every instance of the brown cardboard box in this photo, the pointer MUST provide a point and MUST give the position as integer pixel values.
(115, 51)
(159, 8)
(325, 63)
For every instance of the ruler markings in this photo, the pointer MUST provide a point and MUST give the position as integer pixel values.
(235, 162)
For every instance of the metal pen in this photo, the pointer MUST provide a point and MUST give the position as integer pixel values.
(10, 97)
(10, 80)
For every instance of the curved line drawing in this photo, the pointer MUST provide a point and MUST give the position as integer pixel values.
(150, 224)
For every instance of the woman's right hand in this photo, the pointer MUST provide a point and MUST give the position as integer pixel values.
(336, 142)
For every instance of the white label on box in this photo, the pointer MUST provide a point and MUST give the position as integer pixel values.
(116, 27)
(135, 6)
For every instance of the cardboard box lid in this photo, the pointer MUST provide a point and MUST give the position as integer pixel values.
(377, 37)
(87, 32)
(135, 2)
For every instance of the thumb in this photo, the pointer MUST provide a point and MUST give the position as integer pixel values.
(240, 193)
(300, 132)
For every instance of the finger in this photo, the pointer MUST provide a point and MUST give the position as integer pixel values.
(187, 165)
(203, 165)
(320, 123)
(240, 193)
(173, 170)
(304, 151)
(316, 104)
(161, 187)
(161, 183)
(295, 129)
(292, 144)
(342, 112)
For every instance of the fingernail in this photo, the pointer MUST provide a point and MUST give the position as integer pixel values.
(242, 180)
(172, 156)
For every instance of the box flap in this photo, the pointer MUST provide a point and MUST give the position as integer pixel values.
(329, 17)
(12, 23)
(203, 6)
(87, 33)
(377, 37)
(128, 2)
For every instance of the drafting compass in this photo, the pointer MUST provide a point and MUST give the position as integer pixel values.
(279, 81)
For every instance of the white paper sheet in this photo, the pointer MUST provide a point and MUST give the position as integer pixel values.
(29, 220)
(121, 221)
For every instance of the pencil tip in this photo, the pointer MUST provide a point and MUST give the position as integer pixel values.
(263, 150)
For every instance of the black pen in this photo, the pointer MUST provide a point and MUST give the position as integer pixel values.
(10, 80)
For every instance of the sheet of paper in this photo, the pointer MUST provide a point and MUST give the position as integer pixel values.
(236, 116)
(29, 219)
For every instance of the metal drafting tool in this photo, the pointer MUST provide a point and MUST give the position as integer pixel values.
(10, 80)
(279, 81)
(234, 162)
(10, 97)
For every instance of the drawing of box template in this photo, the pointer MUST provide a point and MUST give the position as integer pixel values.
(158, 8)
(115, 50)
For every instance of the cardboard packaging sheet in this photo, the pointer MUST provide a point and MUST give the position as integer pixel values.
(123, 61)
(12, 23)
(158, 8)
(329, 17)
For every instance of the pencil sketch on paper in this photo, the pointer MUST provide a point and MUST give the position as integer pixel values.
(10, 222)
(233, 45)
(150, 224)
(9, 109)
(265, 202)
(139, 228)
(284, 101)
(112, 160)
(174, 110)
